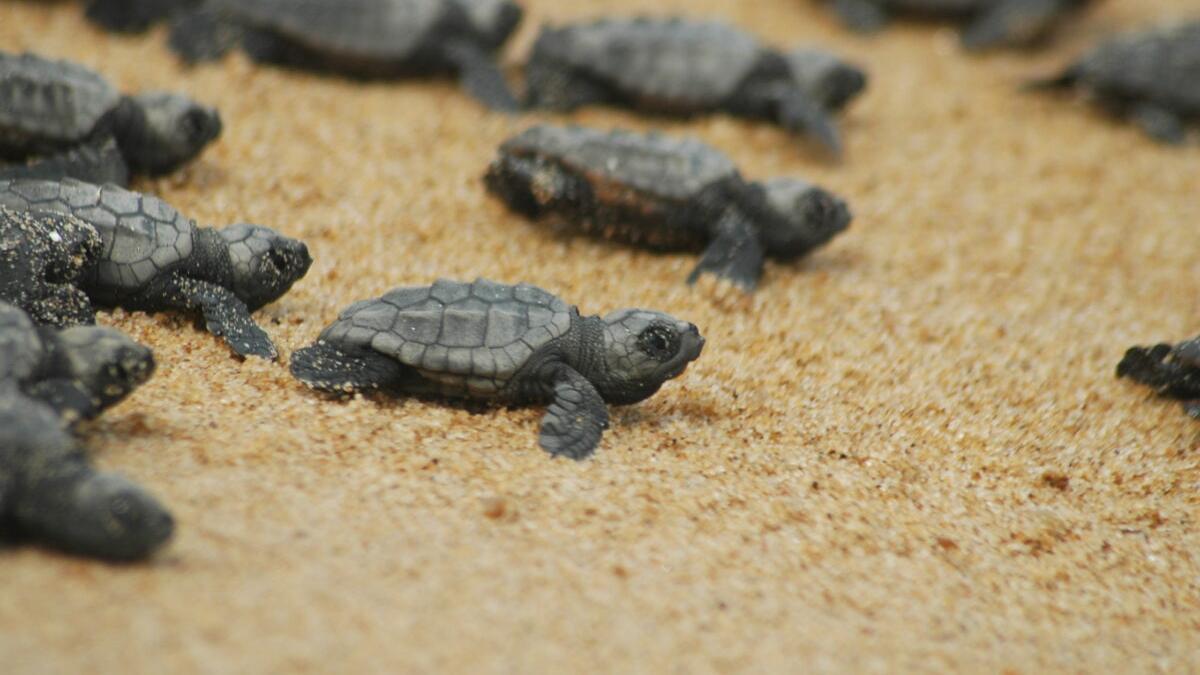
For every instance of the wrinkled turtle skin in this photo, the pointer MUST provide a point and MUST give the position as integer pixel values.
(1151, 77)
(679, 66)
(1172, 371)
(58, 118)
(989, 24)
(153, 258)
(78, 372)
(664, 193)
(360, 38)
(509, 344)
(49, 492)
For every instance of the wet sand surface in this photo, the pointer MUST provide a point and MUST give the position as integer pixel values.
(907, 451)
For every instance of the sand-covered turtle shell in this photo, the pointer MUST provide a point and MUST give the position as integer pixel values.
(21, 348)
(475, 335)
(1160, 65)
(377, 29)
(673, 168)
(672, 61)
(142, 234)
(49, 102)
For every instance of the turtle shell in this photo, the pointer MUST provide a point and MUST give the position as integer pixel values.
(472, 338)
(49, 103)
(377, 29)
(671, 168)
(20, 347)
(677, 63)
(142, 234)
(1161, 65)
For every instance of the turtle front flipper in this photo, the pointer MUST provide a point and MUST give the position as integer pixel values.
(480, 77)
(798, 113)
(327, 368)
(1159, 123)
(862, 16)
(98, 163)
(734, 253)
(203, 34)
(577, 417)
(1013, 22)
(224, 314)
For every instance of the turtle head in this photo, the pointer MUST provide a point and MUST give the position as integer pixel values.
(493, 20)
(642, 350)
(106, 364)
(102, 515)
(825, 78)
(803, 216)
(265, 263)
(173, 130)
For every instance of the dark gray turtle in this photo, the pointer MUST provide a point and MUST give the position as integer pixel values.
(51, 107)
(78, 372)
(989, 23)
(153, 258)
(510, 344)
(362, 38)
(1172, 370)
(664, 193)
(683, 67)
(42, 258)
(134, 16)
(1150, 76)
(50, 493)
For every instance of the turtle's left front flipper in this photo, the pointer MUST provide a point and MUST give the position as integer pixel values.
(480, 76)
(576, 419)
(1013, 23)
(734, 252)
(798, 113)
(224, 314)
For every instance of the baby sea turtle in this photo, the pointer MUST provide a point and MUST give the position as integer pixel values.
(153, 258)
(78, 372)
(49, 491)
(133, 16)
(682, 67)
(48, 107)
(42, 258)
(1150, 76)
(1172, 370)
(510, 344)
(989, 23)
(362, 38)
(664, 193)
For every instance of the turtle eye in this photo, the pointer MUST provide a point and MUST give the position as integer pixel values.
(659, 341)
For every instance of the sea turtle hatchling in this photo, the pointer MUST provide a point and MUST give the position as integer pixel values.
(510, 344)
(989, 23)
(1149, 76)
(50, 493)
(683, 67)
(1172, 370)
(50, 107)
(153, 258)
(664, 193)
(78, 372)
(362, 38)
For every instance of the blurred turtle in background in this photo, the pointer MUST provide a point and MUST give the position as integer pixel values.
(59, 119)
(360, 38)
(1171, 370)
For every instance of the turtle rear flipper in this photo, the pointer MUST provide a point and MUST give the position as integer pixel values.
(481, 78)
(577, 417)
(1159, 123)
(203, 34)
(100, 163)
(734, 253)
(327, 368)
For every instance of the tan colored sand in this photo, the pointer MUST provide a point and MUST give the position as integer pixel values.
(907, 452)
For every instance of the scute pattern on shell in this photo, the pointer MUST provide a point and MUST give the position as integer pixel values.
(1161, 65)
(387, 29)
(55, 100)
(674, 168)
(478, 334)
(695, 63)
(142, 235)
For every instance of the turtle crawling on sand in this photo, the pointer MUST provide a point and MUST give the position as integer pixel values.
(50, 493)
(361, 38)
(1172, 370)
(78, 372)
(1151, 77)
(684, 67)
(50, 108)
(989, 23)
(152, 258)
(509, 344)
(665, 193)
